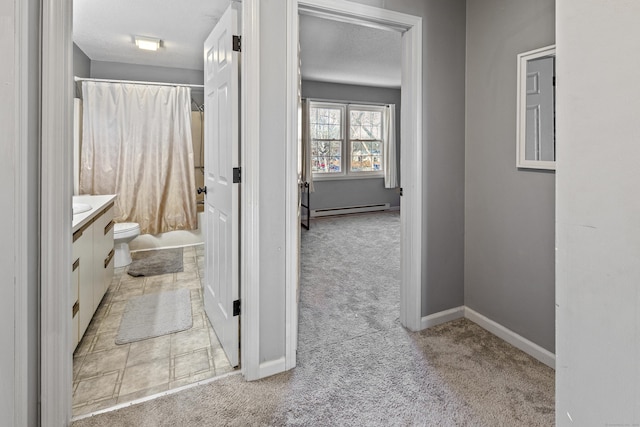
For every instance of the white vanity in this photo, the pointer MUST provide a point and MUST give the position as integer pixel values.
(92, 258)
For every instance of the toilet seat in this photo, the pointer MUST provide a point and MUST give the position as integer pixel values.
(125, 229)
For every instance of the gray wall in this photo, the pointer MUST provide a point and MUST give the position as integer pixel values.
(443, 94)
(83, 66)
(340, 193)
(81, 63)
(509, 213)
(443, 79)
(123, 71)
(598, 232)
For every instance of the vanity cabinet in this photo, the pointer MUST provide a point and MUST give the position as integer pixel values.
(103, 251)
(92, 255)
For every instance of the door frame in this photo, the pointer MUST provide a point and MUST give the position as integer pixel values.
(55, 210)
(56, 186)
(411, 153)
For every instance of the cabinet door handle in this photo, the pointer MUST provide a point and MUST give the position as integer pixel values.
(108, 258)
(76, 264)
(108, 227)
(76, 308)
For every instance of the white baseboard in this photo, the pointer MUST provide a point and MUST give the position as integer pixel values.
(272, 367)
(442, 317)
(518, 341)
(315, 213)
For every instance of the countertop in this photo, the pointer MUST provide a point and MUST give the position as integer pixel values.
(98, 203)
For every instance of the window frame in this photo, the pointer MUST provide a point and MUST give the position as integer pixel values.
(343, 114)
(347, 143)
(383, 141)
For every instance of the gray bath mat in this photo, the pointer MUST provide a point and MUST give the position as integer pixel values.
(153, 315)
(156, 262)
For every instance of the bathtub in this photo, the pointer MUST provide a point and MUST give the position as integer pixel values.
(170, 239)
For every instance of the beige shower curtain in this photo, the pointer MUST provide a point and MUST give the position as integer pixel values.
(136, 143)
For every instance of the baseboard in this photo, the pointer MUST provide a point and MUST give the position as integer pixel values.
(272, 367)
(442, 317)
(315, 213)
(518, 341)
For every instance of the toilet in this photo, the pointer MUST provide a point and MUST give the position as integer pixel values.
(123, 233)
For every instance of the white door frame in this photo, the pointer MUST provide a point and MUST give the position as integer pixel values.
(410, 156)
(57, 117)
(55, 209)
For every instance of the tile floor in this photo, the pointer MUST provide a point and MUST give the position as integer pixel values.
(106, 374)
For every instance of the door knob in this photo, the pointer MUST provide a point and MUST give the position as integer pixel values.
(202, 190)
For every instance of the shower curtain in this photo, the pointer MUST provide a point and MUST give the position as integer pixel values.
(136, 143)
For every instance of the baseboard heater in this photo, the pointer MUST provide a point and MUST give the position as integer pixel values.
(349, 210)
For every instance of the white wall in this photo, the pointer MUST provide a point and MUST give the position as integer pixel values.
(19, 217)
(598, 213)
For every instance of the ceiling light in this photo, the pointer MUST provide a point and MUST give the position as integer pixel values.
(147, 43)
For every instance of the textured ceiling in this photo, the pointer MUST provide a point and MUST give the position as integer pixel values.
(330, 50)
(347, 53)
(104, 29)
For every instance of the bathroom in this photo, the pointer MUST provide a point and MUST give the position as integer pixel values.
(106, 373)
(84, 68)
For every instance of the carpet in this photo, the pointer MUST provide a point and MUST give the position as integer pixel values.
(356, 365)
(153, 315)
(156, 262)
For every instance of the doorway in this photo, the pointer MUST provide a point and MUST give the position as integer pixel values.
(349, 261)
(411, 150)
(107, 369)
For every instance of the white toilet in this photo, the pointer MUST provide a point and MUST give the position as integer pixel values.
(123, 233)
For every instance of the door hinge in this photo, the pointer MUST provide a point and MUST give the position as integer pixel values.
(236, 307)
(554, 80)
(400, 191)
(236, 175)
(237, 43)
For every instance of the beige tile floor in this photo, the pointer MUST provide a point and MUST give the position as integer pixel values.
(106, 374)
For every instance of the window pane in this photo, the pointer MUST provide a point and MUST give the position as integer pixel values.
(325, 123)
(336, 148)
(358, 148)
(365, 124)
(377, 163)
(376, 147)
(326, 156)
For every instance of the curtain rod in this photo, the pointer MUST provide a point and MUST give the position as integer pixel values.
(340, 101)
(81, 79)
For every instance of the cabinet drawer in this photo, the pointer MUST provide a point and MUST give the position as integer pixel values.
(103, 234)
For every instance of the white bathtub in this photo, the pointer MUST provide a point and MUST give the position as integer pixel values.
(170, 239)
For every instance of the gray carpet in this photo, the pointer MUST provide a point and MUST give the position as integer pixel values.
(154, 315)
(356, 365)
(156, 262)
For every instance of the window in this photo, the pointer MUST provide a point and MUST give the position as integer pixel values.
(326, 132)
(347, 140)
(365, 139)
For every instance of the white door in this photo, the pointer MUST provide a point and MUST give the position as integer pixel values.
(222, 250)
